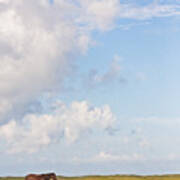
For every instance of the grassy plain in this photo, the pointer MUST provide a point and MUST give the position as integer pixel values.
(115, 177)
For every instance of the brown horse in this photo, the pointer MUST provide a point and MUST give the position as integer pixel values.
(49, 176)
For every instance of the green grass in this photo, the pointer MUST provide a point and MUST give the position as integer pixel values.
(123, 177)
(115, 177)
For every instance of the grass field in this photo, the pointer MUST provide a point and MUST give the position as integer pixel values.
(115, 177)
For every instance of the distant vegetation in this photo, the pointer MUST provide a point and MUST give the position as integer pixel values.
(115, 177)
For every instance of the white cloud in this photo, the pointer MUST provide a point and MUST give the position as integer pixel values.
(149, 11)
(4, 1)
(35, 56)
(36, 131)
(123, 157)
(38, 39)
(99, 14)
(108, 157)
(37, 43)
(5, 107)
(96, 78)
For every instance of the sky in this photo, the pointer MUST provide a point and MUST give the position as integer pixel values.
(89, 87)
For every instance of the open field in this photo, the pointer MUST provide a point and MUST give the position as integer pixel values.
(115, 177)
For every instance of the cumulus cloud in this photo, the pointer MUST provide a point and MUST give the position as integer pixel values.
(36, 131)
(37, 44)
(112, 74)
(99, 14)
(34, 56)
(38, 40)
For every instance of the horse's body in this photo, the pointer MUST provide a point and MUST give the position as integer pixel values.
(48, 176)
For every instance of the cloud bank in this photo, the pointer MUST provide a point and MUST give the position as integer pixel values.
(36, 131)
(38, 43)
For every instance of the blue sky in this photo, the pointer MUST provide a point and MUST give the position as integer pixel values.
(89, 87)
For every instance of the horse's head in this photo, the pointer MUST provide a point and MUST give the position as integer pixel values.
(52, 176)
